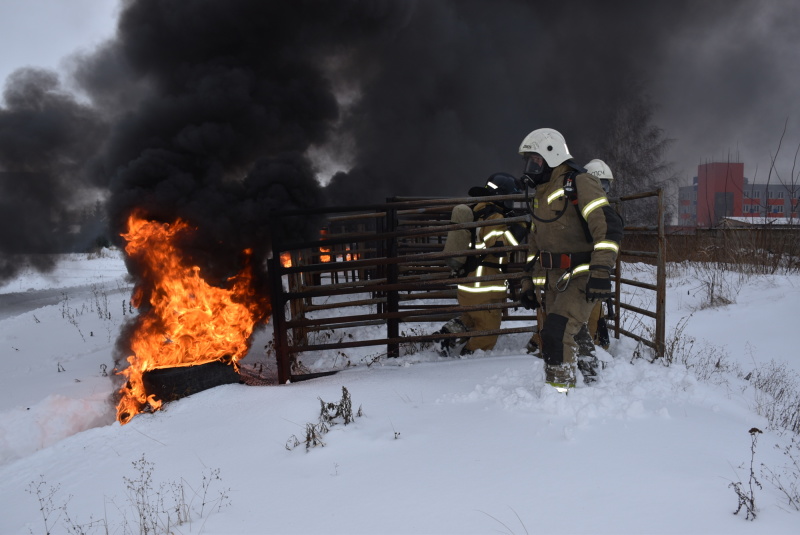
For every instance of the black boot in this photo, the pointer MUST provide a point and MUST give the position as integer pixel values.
(447, 347)
(588, 366)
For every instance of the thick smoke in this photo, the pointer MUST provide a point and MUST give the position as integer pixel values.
(727, 86)
(464, 82)
(209, 110)
(45, 137)
(231, 97)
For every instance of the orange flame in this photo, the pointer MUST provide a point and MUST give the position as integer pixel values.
(189, 322)
(286, 260)
(324, 257)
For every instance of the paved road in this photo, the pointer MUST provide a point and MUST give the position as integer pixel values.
(14, 304)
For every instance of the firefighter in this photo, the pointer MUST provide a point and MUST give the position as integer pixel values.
(595, 332)
(481, 238)
(572, 248)
(597, 329)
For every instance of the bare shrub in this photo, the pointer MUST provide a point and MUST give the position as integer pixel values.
(707, 363)
(156, 510)
(720, 285)
(412, 348)
(777, 393)
(747, 498)
(330, 414)
(787, 480)
(161, 510)
(45, 495)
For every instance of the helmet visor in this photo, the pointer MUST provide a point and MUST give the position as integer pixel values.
(534, 163)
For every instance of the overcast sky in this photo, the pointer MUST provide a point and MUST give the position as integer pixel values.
(40, 33)
(729, 83)
(726, 81)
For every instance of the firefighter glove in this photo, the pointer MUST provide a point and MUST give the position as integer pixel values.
(598, 287)
(528, 300)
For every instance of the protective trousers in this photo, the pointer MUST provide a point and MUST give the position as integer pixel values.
(594, 317)
(482, 320)
(567, 311)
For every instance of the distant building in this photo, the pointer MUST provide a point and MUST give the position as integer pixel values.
(720, 190)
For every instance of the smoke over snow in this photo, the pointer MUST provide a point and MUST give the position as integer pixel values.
(219, 112)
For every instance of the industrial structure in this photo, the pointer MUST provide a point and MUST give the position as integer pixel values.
(720, 190)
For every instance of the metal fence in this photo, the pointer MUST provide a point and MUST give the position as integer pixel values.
(650, 243)
(389, 258)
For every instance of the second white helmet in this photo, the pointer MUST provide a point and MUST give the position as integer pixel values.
(548, 143)
(600, 169)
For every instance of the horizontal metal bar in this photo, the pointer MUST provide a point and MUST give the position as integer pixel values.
(360, 302)
(639, 195)
(638, 338)
(408, 339)
(638, 310)
(648, 228)
(645, 285)
(382, 236)
(400, 204)
(352, 265)
(347, 325)
(457, 309)
(443, 294)
(379, 285)
(644, 254)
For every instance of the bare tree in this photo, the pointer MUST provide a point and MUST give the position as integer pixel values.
(635, 149)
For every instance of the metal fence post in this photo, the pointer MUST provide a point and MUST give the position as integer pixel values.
(661, 280)
(278, 303)
(392, 298)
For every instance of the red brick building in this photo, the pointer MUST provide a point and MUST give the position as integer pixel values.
(721, 190)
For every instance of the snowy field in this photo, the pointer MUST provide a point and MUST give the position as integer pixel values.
(442, 446)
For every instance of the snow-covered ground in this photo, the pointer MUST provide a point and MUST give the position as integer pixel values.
(469, 445)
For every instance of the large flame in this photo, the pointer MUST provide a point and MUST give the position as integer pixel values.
(188, 322)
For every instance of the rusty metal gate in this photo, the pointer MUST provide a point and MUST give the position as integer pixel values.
(658, 258)
(387, 257)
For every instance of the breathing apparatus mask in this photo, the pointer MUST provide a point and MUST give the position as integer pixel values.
(536, 170)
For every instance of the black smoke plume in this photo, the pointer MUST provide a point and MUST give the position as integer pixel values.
(229, 98)
(220, 112)
(46, 136)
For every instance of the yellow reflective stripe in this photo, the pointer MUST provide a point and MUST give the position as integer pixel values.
(555, 195)
(511, 238)
(561, 388)
(577, 270)
(480, 245)
(493, 234)
(482, 289)
(606, 245)
(590, 207)
(539, 281)
(477, 288)
(580, 269)
(530, 257)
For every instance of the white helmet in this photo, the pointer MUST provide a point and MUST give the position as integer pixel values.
(600, 169)
(549, 144)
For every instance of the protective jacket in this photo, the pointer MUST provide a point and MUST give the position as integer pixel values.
(485, 239)
(483, 292)
(574, 231)
(563, 237)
